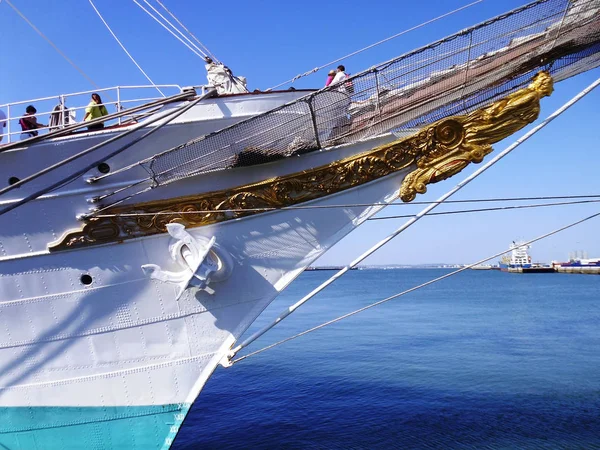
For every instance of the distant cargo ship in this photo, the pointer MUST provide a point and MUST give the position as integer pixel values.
(519, 261)
(578, 262)
(578, 265)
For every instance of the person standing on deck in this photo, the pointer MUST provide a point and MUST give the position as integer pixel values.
(340, 75)
(95, 109)
(341, 121)
(29, 123)
(330, 77)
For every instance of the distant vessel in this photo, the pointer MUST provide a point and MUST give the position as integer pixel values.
(520, 261)
(578, 264)
(482, 267)
(590, 262)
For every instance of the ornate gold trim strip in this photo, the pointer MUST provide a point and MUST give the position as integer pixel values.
(440, 151)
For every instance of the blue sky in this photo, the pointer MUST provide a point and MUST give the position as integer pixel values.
(270, 42)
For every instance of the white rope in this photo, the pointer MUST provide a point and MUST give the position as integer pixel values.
(52, 44)
(420, 286)
(316, 69)
(170, 31)
(176, 29)
(497, 208)
(124, 49)
(415, 219)
(206, 50)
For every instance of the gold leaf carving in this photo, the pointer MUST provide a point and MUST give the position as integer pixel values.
(461, 140)
(439, 151)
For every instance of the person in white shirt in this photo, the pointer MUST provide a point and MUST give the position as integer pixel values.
(340, 75)
(342, 121)
(2, 124)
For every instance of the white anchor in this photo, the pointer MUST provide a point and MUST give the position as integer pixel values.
(191, 254)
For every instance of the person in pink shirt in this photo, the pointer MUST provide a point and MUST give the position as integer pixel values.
(330, 77)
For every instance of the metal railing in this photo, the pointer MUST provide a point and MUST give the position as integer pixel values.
(453, 76)
(119, 97)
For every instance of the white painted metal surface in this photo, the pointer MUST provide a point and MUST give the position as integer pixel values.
(88, 328)
(125, 339)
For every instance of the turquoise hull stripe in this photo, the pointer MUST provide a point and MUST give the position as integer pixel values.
(90, 428)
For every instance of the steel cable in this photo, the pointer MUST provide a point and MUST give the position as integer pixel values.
(465, 211)
(316, 69)
(413, 219)
(407, 291)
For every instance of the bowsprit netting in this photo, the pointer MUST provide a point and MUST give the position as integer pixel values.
(452, 76)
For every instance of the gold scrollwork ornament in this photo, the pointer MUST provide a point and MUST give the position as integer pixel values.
(439, 151)
(458, 141)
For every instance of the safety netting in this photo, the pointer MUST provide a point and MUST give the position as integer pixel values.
(452, 76)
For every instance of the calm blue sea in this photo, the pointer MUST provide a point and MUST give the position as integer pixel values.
(483, 360)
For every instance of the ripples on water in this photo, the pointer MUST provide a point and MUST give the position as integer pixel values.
(481, 360)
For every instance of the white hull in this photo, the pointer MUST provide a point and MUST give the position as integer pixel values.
(123, 354)
(96, 353)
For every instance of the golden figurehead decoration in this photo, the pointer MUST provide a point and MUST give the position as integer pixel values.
(510, 114)
(438, 151)
(461, 140)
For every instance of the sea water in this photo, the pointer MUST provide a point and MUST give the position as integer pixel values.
(482, 360)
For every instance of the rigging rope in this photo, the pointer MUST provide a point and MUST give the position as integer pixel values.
(316, 69)
(214, 58)
(175, 28)
(358, 205)
(200, 55)
(498, 208)
(407, 291)
(78, 125)
(279, 132)
(559, 29)
(168, 116)
(85, 75)
(415, 218)
(124, 49)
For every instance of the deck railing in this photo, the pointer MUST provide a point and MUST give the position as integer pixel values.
(115, 99)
